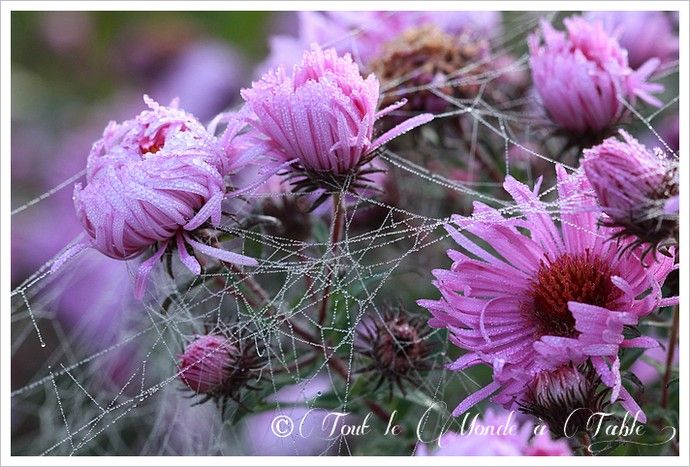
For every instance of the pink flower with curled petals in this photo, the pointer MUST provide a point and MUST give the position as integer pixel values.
(152, 180)
(637, 188)
(580, 74)
(320, 118)
(548, 296)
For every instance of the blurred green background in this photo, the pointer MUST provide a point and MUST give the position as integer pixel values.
(100, 41)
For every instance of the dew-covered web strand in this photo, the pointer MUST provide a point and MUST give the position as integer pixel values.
(67, 183)
(216, 294)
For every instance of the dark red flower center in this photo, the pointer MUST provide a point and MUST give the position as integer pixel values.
(583, 278)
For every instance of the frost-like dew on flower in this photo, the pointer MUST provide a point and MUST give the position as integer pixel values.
(546, 296)
(151, 181)
(218, 366)
(320, 118)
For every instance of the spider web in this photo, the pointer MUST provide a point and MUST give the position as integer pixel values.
(77, 404)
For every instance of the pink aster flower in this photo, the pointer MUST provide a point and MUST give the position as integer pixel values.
(151, 181)
(579, 75)
(644, 34)
(320, 118)
(548, 296)
(637, 188)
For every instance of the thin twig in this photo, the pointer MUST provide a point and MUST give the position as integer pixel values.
(670, 353)
(337, 226)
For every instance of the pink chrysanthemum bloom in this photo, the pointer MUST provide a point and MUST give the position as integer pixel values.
(579, 75)
(217, 366)
(545, 299)
(636, 188)
(320, 118)
(644, 34)
(151, 181)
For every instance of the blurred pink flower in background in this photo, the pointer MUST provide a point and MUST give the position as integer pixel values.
(526, 153)
(309, 437)
(580, 73)
(644, 34)
(497, 433)
(92, 301)
(648, 367)
(363, 33)
(66, 31)
(205, 76)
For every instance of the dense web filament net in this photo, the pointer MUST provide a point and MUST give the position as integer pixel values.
(89, 402)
